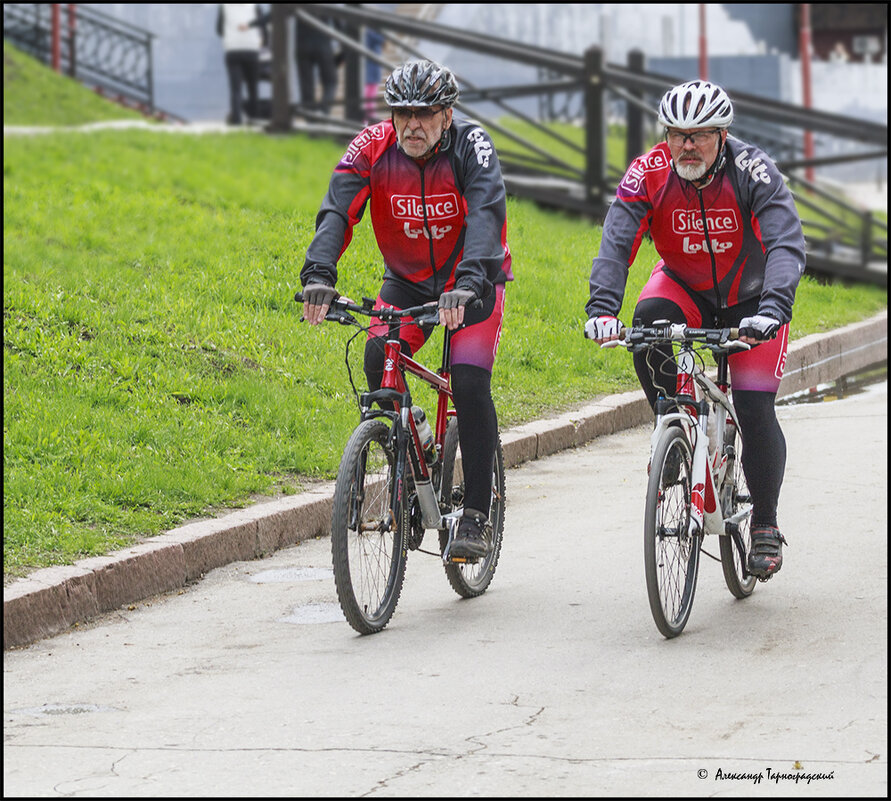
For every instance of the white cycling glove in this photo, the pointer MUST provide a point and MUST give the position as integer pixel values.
(602, 327)
(761, 326)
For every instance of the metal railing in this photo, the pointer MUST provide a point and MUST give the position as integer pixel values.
(843, 241)
(106, 54)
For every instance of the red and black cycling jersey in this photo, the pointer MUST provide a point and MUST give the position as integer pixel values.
(440, 224)
(750, 246)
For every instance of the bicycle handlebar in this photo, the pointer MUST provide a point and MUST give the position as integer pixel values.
(713, 338)
(340, 308)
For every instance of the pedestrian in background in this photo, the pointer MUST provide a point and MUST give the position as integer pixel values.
(315, 57)
(374, 41)
(240, 26)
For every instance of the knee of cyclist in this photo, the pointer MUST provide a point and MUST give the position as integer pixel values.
(471, 385)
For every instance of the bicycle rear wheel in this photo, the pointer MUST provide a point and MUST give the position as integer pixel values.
(472, 579)
(736, 501)
(368, 531)
(671, 552)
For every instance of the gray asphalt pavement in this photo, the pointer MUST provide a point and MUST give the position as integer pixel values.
(554, 683)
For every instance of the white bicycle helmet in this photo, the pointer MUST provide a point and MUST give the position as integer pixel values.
(696, 104)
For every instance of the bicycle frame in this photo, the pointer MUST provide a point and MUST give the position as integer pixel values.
(694, 391)
(394, 389)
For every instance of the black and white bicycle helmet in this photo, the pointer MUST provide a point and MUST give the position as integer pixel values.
(696, 104)
(421, 83)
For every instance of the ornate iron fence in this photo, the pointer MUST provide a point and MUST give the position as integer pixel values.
(106, 54)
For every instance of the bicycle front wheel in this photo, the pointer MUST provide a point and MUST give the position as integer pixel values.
(736, 503)
(368, 530)
(471, 579)
(671, 550)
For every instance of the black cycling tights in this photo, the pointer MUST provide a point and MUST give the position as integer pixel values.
(764, 452)
(477, 422)
(764, 446)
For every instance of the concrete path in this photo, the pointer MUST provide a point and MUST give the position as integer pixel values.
(553, 683)
(54, 599)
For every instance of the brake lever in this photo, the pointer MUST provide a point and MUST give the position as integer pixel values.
(340, 316)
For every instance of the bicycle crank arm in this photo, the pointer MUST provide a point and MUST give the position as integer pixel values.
(450, 521)
(736, 519)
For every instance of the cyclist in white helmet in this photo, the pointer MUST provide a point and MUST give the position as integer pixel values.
(732, 253)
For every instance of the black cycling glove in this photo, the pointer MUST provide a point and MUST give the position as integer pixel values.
(319, 294)
(455, 298)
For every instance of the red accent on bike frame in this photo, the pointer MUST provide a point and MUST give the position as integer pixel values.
(684, 384)
(696, 497)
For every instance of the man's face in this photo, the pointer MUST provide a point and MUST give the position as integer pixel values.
(694, 150)
(419, 130)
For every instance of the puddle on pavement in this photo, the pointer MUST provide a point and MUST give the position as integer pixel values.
(309, 614)
(61, 709)
(285, 575)
(868, 380)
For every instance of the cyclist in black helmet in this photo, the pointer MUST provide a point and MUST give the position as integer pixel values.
(434, 188)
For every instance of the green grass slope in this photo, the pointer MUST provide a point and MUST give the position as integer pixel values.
(155, 367)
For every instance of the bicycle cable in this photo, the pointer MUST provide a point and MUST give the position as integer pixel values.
(360, 329)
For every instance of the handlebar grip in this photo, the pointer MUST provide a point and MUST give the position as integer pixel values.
(298, 296)
(428, 319)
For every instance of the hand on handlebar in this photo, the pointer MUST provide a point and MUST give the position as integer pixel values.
(603, 328)
(753, 330)
(451, 307)
(316, 300)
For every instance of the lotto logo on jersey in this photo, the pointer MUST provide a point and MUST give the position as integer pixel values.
(481, 145)
(689, 221)
(754, 166)
(651, 162)
(417, 209)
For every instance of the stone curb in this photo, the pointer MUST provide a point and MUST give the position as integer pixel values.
(53, 599)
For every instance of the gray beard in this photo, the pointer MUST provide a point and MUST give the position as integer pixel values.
(691, 172)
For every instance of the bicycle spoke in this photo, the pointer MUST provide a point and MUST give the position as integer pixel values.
(366, 540)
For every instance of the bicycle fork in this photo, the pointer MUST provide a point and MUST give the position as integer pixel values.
(431, 515)
(706, 513)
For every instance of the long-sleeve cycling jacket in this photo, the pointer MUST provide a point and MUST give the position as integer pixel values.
(440, 224)
(751, 245)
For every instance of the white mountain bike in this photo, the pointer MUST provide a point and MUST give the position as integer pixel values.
(696, 484)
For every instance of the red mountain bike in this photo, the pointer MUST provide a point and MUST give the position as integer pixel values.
(397, 479)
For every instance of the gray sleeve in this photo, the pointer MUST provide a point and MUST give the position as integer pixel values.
(623, 226)
(485, 221)
(782, 236)
(342, 207)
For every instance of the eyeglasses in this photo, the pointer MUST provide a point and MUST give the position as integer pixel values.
(424, 113)
(679, 139)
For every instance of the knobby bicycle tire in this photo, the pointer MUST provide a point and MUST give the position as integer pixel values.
(737, 543)
(671, 552)
(368, 544)
(473, 579)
